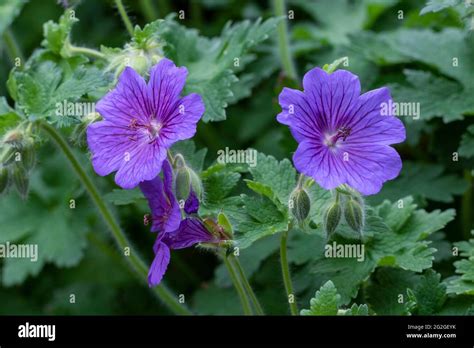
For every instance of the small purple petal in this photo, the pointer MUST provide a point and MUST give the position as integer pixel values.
(164, 207)
(160, 263)
(191, 206)
(191, 231)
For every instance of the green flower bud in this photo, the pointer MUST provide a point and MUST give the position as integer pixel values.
(354, 214)
(332, 217)
(8, 155)
(3, 179)
(20, 179)
(186, 180)
(183, 183)
(14, 137)
(29, 155)
(300, 204)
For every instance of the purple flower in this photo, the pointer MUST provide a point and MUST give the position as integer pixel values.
(343, 136)
(173, 233)
(141, 121)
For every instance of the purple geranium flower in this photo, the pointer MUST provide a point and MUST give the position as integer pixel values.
(343, 136)
(173, 233)
(141, 121)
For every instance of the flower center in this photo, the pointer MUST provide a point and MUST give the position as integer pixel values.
(152, 130)
(343, 132)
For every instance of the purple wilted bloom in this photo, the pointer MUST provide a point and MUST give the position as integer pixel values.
(343, 136)
(173, 233)
(141, 121)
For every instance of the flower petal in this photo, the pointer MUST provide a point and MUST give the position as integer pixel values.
(181, 122)
(191, 231)
(318, 161)
(164, 87)
(164, 206)
(108, 142)
(127, 101)
(303, 120)
(371, 120)
(332, 95)
(142, 163)
(368, 166)
(160, 263)
(191, 206)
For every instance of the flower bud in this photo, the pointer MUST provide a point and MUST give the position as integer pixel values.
(7, 156)
(3, 179)
(14, 137)
(300, 204)
(21, 181)
(29, 155)
(332, 217)
(187, 180)
(354, 214)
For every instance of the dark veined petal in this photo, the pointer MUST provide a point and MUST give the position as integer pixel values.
(143, 163)
(181, 122)
(160, 263)
(108, 143)
(127, 101)
(368, 122)
(191, 231)
(191, 205)
(368, 166)
(318, 161)
(332, 95)
(299, 114)
(164, 207)
(164, 87)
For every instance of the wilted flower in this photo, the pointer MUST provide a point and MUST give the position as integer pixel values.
(343, 136)
(141, 121)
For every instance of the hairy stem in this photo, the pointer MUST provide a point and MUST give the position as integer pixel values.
(124, 15)
(243, 278)
(285, 269)
(466, 206)
(134, 260)
(283, 41)
(148, 9)
(87, 51)
(238, 285)
(13, 49)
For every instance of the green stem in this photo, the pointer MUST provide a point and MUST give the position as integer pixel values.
(283, 41)
(238, 286)
(124, 15)
(246, 284)
(87, 51)
(13, 49)
(466, 206)
(149, 10)
(285, 269)
(134, 260)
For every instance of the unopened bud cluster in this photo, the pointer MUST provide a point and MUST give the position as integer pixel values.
(186, 180)
(347, 203)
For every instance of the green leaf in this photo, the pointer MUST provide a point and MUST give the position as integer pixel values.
(464, 283)
(60, 238)
(437, 96)
(429, 294)
(280, 177)
(438, 5)
(9, 9)
(324, 302)
(212, 63)
(46, 87)
(57, 35)
(422, 180)
(8, 117)
(466, 148)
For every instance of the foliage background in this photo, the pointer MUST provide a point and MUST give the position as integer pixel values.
(412, 55)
